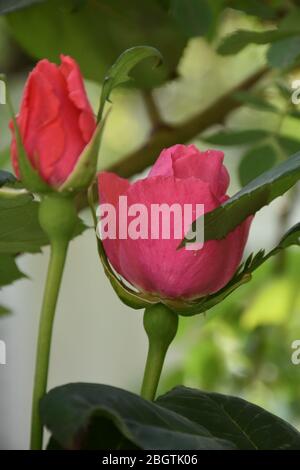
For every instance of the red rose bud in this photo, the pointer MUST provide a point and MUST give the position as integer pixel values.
(181, 175)
(57, 129)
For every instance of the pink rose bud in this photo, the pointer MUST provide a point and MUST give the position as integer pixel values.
(56, 121)
(181, 175)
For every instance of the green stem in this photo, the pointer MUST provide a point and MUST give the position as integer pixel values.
(161, 326)
(57, 216)
(55, 271)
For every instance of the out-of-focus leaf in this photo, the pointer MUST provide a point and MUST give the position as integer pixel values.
(119, 73)
(255, 195)
(284, 53)
(3, 310)
(248, 426)
(255, 8)
(288, 28)
(288, 145)
(255, 162)
(68, 412)
(235, 42)
(96, 32)
(9, 271)
(271, 306)
(255, 101)
(193, 17)
(236, 137)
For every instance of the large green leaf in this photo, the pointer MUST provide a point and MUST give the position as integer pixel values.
(19, 227)
(119, 73)
(255, 195)
(69, 413)
(96, 32)
(9, 271)
(248, 426)
(20, 231)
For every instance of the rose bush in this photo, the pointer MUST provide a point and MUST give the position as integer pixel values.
(183, 175)
(56, 121)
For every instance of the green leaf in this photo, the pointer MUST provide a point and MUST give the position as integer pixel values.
(128, 296)
(19, 227)
(255, 101)
(241, 277)
(248, 426)
(96, 32)
(255, 195)
(256, 161)
(255, 8)
(12, 5)
(236, 137)
(288, 145)
(9, 271)
(284, 53)
(119, 72)
(20, 231)
(6, 177)
(287, 28)
(68, 413)
(85, 168)
(235, 42)
(193, 17)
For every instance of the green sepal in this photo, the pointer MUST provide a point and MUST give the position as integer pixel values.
(86, 166)
(184, 307)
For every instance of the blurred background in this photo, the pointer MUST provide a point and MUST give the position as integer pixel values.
(218, 87)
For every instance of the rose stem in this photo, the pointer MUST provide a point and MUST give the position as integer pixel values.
(161, 325)
(58, 218)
